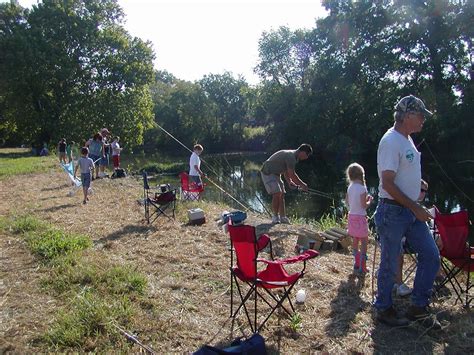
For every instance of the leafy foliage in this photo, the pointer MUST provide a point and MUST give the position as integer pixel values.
(69, 68)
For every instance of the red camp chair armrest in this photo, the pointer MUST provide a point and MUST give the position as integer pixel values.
(308, 254)
(262, 242)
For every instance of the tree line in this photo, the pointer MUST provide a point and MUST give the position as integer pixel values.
(69, 67)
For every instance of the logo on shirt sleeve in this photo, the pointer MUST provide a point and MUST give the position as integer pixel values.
(409, 155)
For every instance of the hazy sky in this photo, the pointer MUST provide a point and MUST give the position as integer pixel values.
(194, 38)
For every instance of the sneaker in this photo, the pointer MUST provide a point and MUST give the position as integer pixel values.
(423, 316)
(275, 219)
(391, 318)
(84, 202)
(403, 290)
(285, 220)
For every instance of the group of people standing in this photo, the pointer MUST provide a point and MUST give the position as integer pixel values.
(399, 214)
(94, 157)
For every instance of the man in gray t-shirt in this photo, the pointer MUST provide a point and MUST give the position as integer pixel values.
(283, 163)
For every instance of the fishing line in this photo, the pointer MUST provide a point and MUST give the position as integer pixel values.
(228, 186)
(233, 188)
(317, 194)
(251, 190)
(215, 184)
(320, 193)
(233, 198)
(445, 173)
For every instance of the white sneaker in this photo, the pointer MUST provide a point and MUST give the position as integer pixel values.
(403, 290)
(275, 219)
(285, 220)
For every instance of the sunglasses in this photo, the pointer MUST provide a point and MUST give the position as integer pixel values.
(423, 190)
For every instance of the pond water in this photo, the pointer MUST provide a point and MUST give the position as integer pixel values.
(451, 184)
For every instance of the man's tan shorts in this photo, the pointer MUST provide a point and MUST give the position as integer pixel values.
(273, 183)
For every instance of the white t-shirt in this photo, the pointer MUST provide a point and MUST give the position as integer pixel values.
(399, 154)
(353, 198)
(115, 148)
(194, 160)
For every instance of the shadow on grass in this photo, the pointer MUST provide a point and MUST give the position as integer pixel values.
(127, 230)
(55, 188)
(60, 207)
(346, 305)
(414, 338)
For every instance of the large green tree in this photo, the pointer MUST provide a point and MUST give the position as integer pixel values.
(68, 68)
(228, 97)
(357, 62)
(183, 109)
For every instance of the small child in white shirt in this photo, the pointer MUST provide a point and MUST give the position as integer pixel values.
(357, 201)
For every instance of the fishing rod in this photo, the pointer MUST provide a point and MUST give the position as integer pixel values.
(228, 194)
(232, 188)
(317, 193)
(247, 186)
(214, 183)
(320, 193)
(444, 172)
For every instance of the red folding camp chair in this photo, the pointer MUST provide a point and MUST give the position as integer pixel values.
(189, 189)
(246, 247)
(457, 255)
(158, 202)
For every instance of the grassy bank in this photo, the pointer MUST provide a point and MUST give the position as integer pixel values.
(18, 161)
(74, 276)
(98, 298)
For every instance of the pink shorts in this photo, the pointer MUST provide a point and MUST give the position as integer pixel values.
(357, 226)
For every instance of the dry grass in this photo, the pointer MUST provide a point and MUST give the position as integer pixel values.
(187, 300)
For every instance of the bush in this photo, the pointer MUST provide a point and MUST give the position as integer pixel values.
(253, 138)
(160, 168)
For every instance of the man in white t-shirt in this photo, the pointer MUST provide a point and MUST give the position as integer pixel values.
(195, 171)
(399, 214)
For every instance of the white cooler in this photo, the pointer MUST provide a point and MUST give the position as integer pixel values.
(196, 216)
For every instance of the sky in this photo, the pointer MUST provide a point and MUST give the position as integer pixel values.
(195, 38)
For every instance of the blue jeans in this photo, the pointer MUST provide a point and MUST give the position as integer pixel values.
(393, 222)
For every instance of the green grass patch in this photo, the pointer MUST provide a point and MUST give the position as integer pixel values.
(89, 318)
(76, 275)
(54, 243)
(328, 221)
(99, 295)
(47, 242)
(17, 161)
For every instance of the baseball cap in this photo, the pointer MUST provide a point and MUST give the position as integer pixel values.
(412, 104)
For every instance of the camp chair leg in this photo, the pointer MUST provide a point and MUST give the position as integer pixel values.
(243, 301)
(278, 305)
